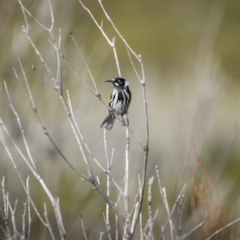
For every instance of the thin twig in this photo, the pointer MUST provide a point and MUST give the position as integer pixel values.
(192, 230)
(126, 180)
(48, 223)
(147, 225)
(150, 218)
(31, 162)
(24, 233)
(101, 235)
(141, 226)
(5, 213)
(180, 205)
(97, 24)
(132, 63)
(41, 25)
(116, 223)
(45, 131)
(40, 77)
(16, 169)
(108, 185)
(85, 62)
(83, 228)
(53, 200)
(116, 30)
(165, 202)
(107, 228)
(77, 134)
(28, 207)
(116, 57)
(13, 210)
(223, 228)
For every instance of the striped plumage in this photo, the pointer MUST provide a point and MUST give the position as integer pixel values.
(119, 101)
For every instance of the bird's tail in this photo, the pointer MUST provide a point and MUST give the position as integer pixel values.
(108, 122)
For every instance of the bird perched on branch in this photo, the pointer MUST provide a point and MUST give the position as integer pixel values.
(119, 101)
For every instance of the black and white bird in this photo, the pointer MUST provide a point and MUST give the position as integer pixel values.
(119, 101)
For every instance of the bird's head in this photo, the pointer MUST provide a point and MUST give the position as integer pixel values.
(119, 82)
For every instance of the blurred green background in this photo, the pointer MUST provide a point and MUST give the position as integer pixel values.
(191, 55)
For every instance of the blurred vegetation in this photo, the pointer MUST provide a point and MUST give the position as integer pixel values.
(191, 55)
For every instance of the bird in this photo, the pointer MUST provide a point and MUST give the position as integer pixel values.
(119, 101)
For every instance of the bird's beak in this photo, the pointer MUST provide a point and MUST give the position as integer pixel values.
(111, 81)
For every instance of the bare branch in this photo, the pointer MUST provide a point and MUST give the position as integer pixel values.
(116, 220)
(85, 63)
(101, 235)
(24, 220)
(116, 57)
(33, 166)
(32, 104)
(107, 228)
(97, 24)
(28, 207)
(107, 223)
(163, 195)
(48, 223)
(192, 230)
(16, 169)
(55, 202)
(116, 30)
(223, 228)
(5, 214)
(126, 180)
(180, 205)
(150, 220)
(83, 228)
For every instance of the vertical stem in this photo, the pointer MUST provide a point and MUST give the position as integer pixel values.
(145, 158)
(108, 185)
(126, 170)
(126, 182)
(150, 218)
